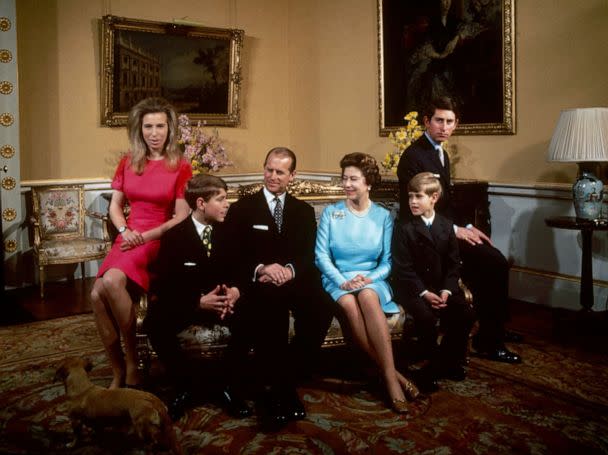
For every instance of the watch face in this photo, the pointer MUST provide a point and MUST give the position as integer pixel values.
(122, 229)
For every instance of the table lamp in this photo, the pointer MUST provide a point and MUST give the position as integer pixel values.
(581, 136)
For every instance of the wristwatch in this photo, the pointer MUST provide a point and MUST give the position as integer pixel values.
(122, 229)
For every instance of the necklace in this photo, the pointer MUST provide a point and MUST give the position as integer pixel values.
(359, 213)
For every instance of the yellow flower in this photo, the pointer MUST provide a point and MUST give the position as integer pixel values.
(401, 140)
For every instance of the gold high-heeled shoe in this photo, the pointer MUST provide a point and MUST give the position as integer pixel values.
(410, 389)
(399, 406)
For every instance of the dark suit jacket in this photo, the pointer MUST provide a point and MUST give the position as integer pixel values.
(184, 272)
(254, 239)
(421, 156)
(423, 258)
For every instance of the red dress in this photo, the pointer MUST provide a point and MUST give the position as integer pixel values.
(151, 197)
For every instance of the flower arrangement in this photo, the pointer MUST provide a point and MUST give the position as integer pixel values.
(205, 151)
(402, 139)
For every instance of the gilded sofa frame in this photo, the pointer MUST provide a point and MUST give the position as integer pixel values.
(318, 195)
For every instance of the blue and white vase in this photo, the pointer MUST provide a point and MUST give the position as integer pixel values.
(587, 194)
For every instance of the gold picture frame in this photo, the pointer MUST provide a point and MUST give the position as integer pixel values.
(465, 50)
(197, 69)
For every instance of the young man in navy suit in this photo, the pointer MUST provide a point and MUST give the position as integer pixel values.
(272, 235)
(485, 269)
(425, 278)
(193, 285)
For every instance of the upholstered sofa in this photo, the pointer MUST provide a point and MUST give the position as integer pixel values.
(208, 342)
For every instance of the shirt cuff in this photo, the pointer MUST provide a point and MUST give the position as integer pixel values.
(293, 271)
(423, 292)
(446, 290)
(255, 272)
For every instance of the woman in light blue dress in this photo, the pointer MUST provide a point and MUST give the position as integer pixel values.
(353, 253)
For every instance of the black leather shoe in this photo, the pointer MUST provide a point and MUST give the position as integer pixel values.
(272, 411)
(425, 379)
(179, 405)
(235, 403)
(500, 355)
(293, 406)
(513, 337)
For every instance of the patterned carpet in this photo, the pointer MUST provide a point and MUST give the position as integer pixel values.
(555, 402)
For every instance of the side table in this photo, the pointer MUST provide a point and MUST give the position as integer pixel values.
(586, 227)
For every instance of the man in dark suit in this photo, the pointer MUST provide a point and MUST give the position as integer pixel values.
(485, 269)
(272, 235)
(193, 286)
(426, 270)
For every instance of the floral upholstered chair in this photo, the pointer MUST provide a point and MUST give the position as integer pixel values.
(58, 220)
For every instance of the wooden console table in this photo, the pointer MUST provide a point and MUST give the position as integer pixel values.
(586, 227)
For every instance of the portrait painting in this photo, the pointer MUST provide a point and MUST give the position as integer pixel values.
(197, 69)
(457, 48)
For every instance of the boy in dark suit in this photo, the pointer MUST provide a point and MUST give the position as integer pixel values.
(425, 278)
(193, 286)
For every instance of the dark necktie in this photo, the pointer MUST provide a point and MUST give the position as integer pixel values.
(440, 152)
(206, 239)
(278, 213)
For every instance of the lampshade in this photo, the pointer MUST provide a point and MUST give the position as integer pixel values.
(580, 135)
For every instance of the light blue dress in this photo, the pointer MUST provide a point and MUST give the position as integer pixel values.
(348, 245)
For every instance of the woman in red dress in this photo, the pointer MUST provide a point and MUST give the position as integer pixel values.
(151, 177)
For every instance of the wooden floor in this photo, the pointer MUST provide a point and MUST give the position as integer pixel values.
(64, 298)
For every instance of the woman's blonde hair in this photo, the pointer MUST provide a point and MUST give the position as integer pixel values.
(139, 149)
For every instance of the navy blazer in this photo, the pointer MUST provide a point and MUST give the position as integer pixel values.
(424, 258)
(421, 156)
(254, 239)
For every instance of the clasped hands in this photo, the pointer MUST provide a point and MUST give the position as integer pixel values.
(437, 301)
(220, 300)
(357, 282)
(275, 274)
(132, 239)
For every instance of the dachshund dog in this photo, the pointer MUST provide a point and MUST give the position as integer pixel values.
(97, 407)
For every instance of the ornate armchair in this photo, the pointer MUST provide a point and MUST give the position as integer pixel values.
(58, 220)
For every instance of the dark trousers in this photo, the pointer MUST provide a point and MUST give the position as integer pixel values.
(486, 274)
(162, 326)
(455, 320)
(261, 321)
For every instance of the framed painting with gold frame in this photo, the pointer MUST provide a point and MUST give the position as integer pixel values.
(461, 48)
(197, 69)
